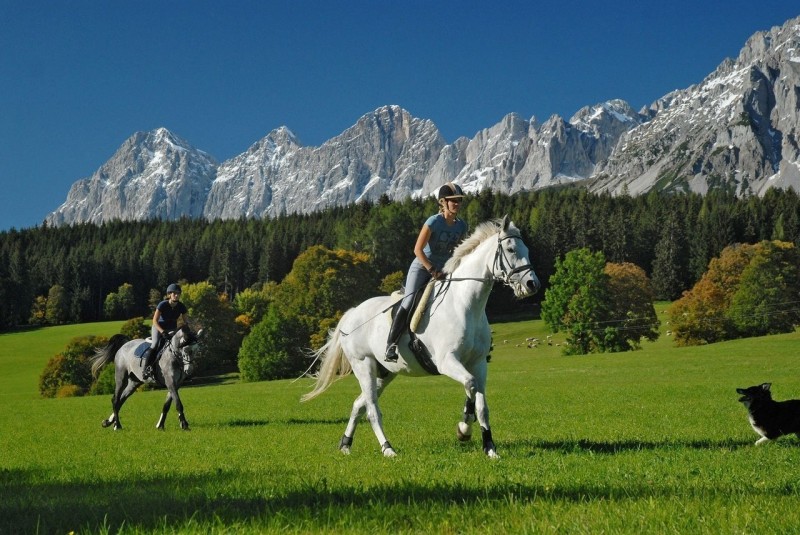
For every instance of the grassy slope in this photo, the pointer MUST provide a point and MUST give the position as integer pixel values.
(647, 441)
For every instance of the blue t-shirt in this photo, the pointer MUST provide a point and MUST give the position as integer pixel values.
(444, 239)
(168, 320)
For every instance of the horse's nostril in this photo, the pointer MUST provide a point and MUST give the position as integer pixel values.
(532, 286)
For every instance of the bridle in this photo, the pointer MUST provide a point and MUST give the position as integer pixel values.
(179, 354)
(501, 261)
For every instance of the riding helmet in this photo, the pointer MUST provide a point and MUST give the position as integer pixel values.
(450, 191)
(174, 288)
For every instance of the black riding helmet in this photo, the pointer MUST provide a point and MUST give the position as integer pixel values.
(450, 191)
(174, 288)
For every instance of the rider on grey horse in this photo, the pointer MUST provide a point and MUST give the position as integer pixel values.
(435, 244)
(165, 319)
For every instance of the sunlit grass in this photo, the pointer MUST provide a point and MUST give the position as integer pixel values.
(649, 441)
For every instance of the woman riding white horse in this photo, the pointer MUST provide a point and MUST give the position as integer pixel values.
(454, 330)
(436, 241)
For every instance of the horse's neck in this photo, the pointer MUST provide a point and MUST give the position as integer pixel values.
(473, 278)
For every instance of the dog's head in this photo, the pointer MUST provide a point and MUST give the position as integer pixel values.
(754, 393)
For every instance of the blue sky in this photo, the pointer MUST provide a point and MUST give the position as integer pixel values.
(78, 78)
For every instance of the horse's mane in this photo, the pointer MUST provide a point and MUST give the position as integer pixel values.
(483, 231)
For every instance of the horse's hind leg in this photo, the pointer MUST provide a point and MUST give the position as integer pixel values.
(371, 388)
(124, 389)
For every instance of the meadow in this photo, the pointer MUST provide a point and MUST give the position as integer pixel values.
(651, 441)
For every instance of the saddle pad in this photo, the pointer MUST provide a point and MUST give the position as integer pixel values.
(141, 348)
(416, 315)
(423, 304)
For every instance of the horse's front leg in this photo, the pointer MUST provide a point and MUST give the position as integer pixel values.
(464, 427)
(164, 411)
(475, 406)
(482, 412)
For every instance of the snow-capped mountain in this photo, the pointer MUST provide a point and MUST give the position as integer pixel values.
(737, 129)
(152, 175)
(386, 152)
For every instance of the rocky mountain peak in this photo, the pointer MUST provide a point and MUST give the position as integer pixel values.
(737, 129)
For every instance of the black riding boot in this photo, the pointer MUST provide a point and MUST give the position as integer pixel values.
(149, 356)
(395, 332)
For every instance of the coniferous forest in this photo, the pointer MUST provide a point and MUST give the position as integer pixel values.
(671, 236)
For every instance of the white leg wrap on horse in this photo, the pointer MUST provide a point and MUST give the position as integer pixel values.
(464, 431)
(345, 443)
(387, 450)
(488, 444)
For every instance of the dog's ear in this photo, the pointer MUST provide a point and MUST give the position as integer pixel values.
(766, 386)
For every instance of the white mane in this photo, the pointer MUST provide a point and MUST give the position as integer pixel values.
(485, 230)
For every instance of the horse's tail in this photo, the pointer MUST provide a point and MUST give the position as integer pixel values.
(334, 364)
(106, 354)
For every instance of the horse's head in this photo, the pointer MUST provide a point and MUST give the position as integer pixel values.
(185, 341)
(184, 346)
(511, 262)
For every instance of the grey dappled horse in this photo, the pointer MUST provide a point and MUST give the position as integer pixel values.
(454, 328)
(171, 370)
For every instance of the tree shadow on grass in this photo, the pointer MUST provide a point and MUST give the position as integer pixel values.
(615, 447)
(33, 505)
(244, 422)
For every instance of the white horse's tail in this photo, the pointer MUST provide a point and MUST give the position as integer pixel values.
(334, 365)
(107, 353)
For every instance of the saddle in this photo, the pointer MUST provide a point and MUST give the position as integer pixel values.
(139, 352)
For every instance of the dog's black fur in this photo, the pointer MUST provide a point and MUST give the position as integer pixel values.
(770, 419)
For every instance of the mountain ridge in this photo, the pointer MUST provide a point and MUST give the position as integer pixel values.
(737, 129)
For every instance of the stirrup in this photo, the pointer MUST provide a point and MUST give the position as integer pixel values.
(391, 353)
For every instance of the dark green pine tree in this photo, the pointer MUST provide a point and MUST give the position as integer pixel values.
(671, 262)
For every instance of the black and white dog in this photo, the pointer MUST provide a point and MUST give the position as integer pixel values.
(770, 419)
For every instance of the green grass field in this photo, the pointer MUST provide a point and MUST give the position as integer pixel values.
(652, 441)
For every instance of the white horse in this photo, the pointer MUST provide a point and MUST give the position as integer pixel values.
(453, 328)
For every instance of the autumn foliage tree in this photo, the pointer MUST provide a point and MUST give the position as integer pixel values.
(322, 284)
(69, 373)
(212, 311)
(631, 309)
(748, 290)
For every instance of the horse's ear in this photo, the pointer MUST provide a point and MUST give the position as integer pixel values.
(506, 222)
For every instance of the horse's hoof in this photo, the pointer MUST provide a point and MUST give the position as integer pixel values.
(105, 423)
(492, 454)
(345, 450)
(388, 450)
(464, 432)
(117, 427)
